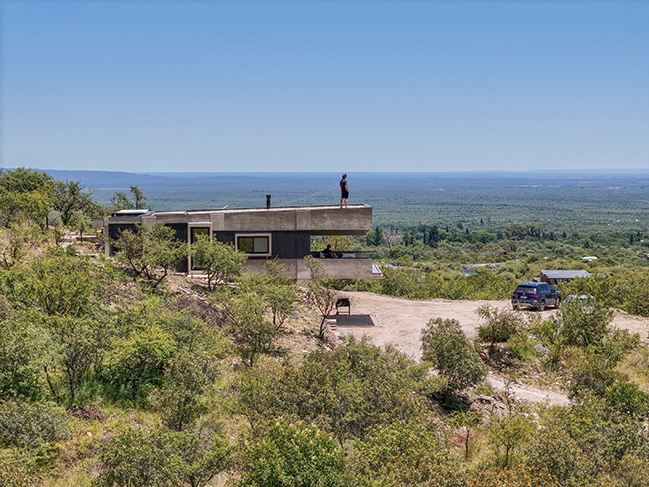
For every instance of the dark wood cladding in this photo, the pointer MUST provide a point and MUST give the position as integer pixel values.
(180, 229)
(285, 244)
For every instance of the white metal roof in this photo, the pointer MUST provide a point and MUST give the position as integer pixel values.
(565, 274)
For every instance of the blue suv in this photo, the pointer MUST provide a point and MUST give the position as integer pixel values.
(536, 294)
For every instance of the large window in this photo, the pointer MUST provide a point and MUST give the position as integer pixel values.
(254, 244)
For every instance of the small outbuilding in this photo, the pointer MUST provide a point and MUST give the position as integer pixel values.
(553, 277)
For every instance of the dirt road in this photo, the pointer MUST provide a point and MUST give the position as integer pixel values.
(399, 322)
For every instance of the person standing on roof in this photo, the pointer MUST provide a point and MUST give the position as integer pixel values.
(344, 191)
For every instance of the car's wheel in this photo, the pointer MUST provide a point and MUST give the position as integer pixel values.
(557, 303)
(541, 305)
(514, 306)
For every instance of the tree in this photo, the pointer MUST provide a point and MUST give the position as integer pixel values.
(70, 198)
(139, 200)
(15, 243)
(278, 291)
(146, 250)
(121, 201)
(25, 195)
(467, 421)
(507, 435)
(516, 231)
(186, 378)
(554, 451)
(248, 324)
(293, 455)
(374, 237)
(29, 424)
(319, 296)
(433, 236)
(511, 477)
(81, 223)
(78, 342)
(345, 392)
(220, 261)
(390, 237)
(533, 230)
(449, 350)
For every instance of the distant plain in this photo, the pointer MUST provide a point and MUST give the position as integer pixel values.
(557, 200)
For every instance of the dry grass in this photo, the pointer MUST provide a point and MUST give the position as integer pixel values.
(636, 366)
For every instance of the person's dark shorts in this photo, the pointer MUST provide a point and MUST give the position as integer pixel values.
(344, 194)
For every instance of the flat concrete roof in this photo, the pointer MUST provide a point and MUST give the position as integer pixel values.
(256, 210)
(319, 219)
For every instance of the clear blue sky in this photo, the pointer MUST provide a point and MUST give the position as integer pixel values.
(299, 86)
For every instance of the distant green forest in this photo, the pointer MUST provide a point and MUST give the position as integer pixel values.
(561, 201)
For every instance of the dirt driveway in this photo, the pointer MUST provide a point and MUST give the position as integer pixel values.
(399, 322)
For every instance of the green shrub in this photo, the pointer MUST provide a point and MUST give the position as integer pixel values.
(500, 326)
(19, 364)
(344, 392)
(293, 455)
(401, 454)
(552, 450)
(627, 398)
(507, 436)
(161, 458)
(138, 360)
(521, 346)
(584, 324)
(14, 474)
(447, 348)
(26, 424)
(180, 398)
(637, 299)
(590, 371)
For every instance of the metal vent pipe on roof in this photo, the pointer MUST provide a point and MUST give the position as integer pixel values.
(267, 201)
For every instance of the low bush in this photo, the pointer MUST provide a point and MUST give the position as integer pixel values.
(162, 458)
(499, 325)
(27, 424)
(293, 455)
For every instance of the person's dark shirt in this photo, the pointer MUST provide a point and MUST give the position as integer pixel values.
(343, 184)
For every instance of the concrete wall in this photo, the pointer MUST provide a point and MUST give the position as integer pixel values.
(293, 268)
(348, 268)
(336, 268)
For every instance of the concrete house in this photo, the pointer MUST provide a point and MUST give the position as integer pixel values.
(263, 234)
